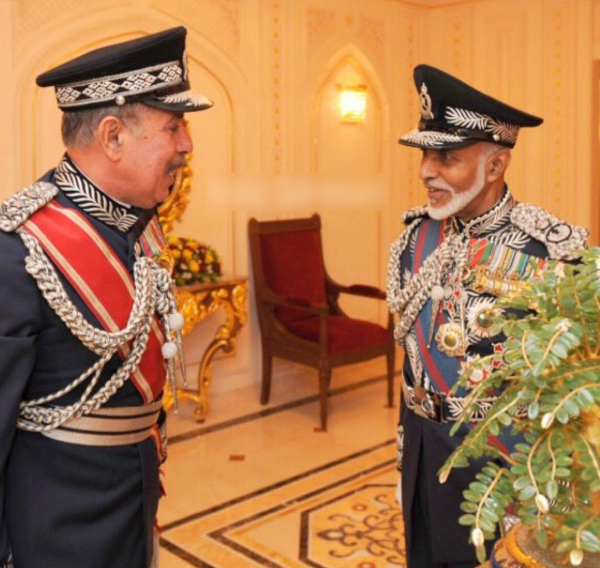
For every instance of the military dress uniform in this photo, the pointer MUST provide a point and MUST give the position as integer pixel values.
(444, 279)
(89, 333)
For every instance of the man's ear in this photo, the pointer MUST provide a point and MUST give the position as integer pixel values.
(497, 164)
(110, 136)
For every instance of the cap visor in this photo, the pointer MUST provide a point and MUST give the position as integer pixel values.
(184, 101)
(433, 139)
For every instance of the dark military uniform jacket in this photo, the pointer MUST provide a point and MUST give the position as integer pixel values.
(465, 267)
(66, 505)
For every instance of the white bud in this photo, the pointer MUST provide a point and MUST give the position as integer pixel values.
(169, 350)
(437, 293)
(542, 503)
(547, 420)
(176, 321)
(576, 556)
(477, 537)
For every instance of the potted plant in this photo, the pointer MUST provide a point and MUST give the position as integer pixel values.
(549, 385)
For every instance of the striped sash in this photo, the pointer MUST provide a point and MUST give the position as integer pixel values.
(101, 280)
(441, 369)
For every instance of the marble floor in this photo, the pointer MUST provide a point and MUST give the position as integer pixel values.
(262, 486)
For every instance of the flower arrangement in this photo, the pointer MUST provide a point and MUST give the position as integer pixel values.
(550, 383)
(194, 262)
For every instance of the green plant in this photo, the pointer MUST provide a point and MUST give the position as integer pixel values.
(550, 384)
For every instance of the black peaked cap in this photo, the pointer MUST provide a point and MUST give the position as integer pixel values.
(454, 114)
(151, 69)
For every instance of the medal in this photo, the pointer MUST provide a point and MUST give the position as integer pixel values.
(450, 339)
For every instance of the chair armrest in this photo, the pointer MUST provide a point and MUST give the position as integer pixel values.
(296, 303)
(363, 290)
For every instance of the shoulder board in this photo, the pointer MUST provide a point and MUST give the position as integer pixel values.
(15, 210)
(560, 238)
(414, 213)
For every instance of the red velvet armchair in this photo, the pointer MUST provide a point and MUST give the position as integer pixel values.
(298, 311)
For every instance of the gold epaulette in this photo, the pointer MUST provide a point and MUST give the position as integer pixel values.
(560, 238)
(15, 210)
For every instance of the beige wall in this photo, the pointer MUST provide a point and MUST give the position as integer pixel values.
(272, 67)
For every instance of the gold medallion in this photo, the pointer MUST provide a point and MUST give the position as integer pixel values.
(450, 340)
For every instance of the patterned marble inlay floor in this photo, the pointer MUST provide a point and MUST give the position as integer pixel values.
(267, 490)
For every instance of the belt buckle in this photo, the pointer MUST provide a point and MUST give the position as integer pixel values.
(429, 405)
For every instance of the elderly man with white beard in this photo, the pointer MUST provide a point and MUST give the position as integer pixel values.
(471, 244)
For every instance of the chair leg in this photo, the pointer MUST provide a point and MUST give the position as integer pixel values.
(324, 380)
(391, 357)
(267, 369)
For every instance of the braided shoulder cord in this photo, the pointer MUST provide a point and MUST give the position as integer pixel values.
(409, 300)
(97, 340)
(152, 293)
(394, 281)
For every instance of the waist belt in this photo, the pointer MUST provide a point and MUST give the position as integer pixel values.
(441, 408)
(117, 426)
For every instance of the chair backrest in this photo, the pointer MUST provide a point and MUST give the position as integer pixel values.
(287, 257)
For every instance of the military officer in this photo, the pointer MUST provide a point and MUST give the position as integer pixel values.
(469, 245)
(88, 322)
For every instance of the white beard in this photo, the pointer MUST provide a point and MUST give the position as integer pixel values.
(458, 201)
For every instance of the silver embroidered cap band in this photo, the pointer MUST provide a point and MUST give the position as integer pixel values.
(454, 114)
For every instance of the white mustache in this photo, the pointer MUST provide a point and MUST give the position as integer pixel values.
(439, 186)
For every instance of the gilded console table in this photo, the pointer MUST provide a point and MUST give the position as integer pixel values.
(197, 303)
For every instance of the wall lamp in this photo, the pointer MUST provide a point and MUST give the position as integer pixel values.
(352, 104)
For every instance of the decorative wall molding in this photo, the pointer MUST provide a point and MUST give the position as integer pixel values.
(218, 20)
(371, 34)
(278, 83)
(320, 25)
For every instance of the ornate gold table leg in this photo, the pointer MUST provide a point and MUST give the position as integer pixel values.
(196, 307)
(233, 301)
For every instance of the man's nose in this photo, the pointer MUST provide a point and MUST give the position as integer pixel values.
(428, 168)
(185, 144)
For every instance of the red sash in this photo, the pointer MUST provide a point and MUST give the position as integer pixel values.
(101, 281)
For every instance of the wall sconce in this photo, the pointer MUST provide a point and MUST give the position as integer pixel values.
(353, 104)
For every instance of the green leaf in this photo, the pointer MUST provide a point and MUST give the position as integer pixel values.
(586, 395)
(519, 469)
(565, 532)
(481, 554)
(566, 546)
(589, 547)
(486, 525)
(552, 489)
(505, 419)
(471, 496)
(466, 520)
(533, 410)
(468, 507)
(478, 487)
(490, 515)
(541, 537)
(527, 493)
(562, 415)
(590, 538)
(571, 407)
(493, 428)
(522, 482)
(564, 461)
